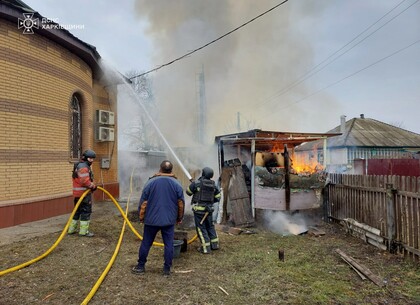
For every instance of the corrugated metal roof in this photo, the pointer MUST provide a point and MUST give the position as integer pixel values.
(365, 132)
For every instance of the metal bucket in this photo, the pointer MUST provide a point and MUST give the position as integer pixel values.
(177, 247)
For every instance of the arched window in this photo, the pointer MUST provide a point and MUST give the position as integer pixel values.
(75, 128)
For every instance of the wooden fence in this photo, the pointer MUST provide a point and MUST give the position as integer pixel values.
(388, 203)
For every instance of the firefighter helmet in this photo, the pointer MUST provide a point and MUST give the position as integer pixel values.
(207, 173)
(89, 154)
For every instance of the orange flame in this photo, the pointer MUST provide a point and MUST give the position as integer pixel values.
(301, 166)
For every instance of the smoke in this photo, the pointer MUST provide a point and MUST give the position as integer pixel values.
(284, 224)
(244, 72)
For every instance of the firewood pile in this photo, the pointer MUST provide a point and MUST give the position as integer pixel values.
(275, 177)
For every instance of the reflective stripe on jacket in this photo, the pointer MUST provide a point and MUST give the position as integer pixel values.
(83, 179)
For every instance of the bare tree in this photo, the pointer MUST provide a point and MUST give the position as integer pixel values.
(139, 132)
(241, 124)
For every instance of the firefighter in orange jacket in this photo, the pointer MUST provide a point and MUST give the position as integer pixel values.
(82, 181)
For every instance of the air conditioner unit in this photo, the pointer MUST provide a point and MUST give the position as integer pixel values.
(105, 117)
(105, 134)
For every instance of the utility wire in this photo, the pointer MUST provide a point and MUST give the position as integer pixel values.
(211, 42)
(348, 76)
(313, 70)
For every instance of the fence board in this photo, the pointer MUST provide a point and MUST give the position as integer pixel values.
(364, 199)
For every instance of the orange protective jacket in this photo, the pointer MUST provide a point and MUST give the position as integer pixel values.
(82, 179)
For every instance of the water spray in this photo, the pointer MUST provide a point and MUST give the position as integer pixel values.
(132, 92)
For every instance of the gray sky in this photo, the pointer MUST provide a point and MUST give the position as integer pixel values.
(261, 70)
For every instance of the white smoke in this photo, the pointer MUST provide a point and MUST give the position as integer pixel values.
(242, 71)
(284, 223)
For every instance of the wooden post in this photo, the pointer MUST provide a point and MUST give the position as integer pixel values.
(221, 157)
(325, 203)
(390, 216)
(253, 178)
(287, 177)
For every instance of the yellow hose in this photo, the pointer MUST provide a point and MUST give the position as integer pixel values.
(3, 272)
(114, 256)
(117, 248)
(63, 233)
(129, 223)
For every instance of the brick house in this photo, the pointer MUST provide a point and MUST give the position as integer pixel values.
(55, 102)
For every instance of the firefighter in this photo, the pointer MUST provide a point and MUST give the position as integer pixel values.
(204, 194)
(82, 181)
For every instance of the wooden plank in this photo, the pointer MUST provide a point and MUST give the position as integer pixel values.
(239, 199)
(409, 214)
(364, 270)
(275, 199)
(225, 182)
(287, 177)
(416, 220)
(354, 268)
(315, 231)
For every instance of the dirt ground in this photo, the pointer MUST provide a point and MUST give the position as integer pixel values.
(246, 270)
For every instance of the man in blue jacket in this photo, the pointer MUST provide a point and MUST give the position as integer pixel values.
(161, 206)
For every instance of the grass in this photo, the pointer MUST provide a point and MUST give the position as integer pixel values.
(247, 267)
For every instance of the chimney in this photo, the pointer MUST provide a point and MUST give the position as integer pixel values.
(362, 116)
(343, 124)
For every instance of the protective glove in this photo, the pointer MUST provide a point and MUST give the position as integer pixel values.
(93, 187)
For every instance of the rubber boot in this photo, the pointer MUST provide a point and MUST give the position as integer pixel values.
(72, 227)
(204, 249)
(84, 229)
(215, 246)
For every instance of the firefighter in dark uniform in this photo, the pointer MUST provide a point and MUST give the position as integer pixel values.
(82, 181)
(205, 193)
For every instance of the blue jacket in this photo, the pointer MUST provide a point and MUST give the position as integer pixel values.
(162, 201)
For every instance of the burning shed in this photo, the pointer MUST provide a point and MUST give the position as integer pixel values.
(259, 170)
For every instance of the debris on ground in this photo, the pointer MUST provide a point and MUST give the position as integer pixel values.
(361, 270)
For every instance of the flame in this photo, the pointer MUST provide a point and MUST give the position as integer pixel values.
(301, 166)
(277, 147)
(299, 163)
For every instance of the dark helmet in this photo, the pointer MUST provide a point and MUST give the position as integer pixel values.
(207, 173)
(89, 154)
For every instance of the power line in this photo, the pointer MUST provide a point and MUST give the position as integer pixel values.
(211, 42)
(348, 76)
(313, 70)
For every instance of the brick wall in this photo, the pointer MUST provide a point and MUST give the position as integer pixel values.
(37, 80)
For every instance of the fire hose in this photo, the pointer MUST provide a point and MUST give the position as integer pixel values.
(64, 232)
(111, 261)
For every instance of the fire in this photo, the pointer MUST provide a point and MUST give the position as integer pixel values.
(301, 166)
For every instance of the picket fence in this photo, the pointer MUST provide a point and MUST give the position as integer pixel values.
(388, 203)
